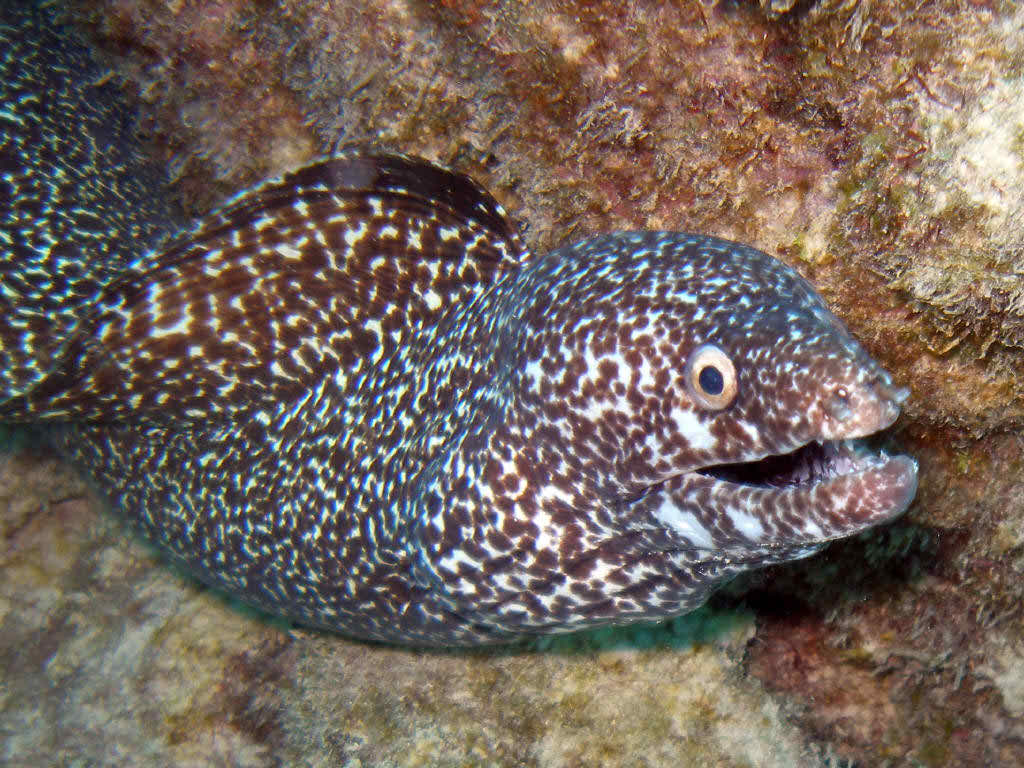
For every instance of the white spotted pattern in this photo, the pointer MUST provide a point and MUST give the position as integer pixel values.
(352, 398)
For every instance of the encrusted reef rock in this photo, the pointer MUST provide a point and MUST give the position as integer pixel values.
(877, 147)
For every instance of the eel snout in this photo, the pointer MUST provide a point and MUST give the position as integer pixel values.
(862, 408)
(830, 487)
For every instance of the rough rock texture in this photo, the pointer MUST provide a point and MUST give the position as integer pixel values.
(876, 146)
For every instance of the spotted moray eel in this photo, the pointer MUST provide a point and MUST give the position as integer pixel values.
(353, 398)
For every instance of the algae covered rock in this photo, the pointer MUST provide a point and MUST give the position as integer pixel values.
(876, 147)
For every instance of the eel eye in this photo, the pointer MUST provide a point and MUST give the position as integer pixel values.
(710, 378)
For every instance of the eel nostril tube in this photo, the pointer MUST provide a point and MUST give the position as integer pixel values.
(898, 395)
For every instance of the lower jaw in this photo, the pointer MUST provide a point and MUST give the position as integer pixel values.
(877, 489)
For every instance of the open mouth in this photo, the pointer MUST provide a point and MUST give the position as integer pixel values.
(824, 490)
(809, 464)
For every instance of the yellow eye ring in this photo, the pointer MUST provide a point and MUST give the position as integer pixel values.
(710, 378)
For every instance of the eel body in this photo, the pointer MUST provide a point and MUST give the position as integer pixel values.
(353, 398)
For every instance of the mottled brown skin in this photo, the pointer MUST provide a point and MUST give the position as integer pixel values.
(73, 181)
(351, 397)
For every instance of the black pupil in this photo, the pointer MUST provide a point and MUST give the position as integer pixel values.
(711, 380)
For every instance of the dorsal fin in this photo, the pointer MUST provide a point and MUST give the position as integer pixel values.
(294, 280)
(78, 199)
